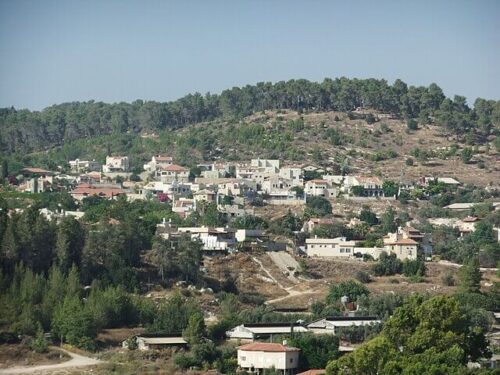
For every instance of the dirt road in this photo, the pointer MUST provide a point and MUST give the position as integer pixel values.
(76, 361)
(285, 262)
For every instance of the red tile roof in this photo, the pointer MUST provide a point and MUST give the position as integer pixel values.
(163, 158)
(267, 347)
(35, 170)
(319, 181)
(313, 372)
(402, 241)
(86, 190)
(174, 168)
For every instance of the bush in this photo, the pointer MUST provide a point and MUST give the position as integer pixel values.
(409, 162)
(448, 279)
(351, 289)
(414, 268)
(466, 155)
(370, 119)
(412, 124)
(367, 257)
(319, 205)
(40, 344)
(363, 277)
(387, 265)
(184, 361)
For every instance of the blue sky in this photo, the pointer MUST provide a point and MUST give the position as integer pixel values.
(118, 50)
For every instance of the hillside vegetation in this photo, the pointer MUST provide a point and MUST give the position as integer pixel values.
(94, 129)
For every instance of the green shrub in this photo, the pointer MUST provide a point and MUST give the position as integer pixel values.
(448, 279)
(363, 277)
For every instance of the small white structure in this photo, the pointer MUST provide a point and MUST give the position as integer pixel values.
(442, 180)
(252, 331)
(78, 166)
(330, 324)
(250, 235)
(317, 188)
(116, 164)
(151, 343)
(204, 195)
(260, 356)
(315, 222)
(214, 239)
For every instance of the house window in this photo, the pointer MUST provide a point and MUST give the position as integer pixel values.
(347, 250)
(243, 358)
(291, 360)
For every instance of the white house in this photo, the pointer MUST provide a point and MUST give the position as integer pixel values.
(183, 207)
(330, 324)
(275, 184)
(78, 166)
(259, 356)
(214, 239)
(173, 172)
(266, 165)
(339, 248)
(216, 170)
(173, 189)
(116, 164)
(204, 195)
(294, 174)
(158, 161)
(320, 188)
(330, 247)
(372, 185)
(404, 248)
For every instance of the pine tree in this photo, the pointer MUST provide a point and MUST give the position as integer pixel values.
(10, 247)
(470, 276)
(53, 295)
(40, 344)
(73, 287)
(70, 240)
(195, 330)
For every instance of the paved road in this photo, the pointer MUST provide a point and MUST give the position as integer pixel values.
(76, 361)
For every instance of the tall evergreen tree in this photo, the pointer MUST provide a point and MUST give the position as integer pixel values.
(469, 280)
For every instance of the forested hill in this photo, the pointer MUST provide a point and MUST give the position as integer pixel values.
(25, 131)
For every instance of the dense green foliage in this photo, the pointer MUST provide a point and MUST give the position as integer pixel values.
(387, 265)
(25, 131)
(352, 289)
(315, 351)
(422, 337)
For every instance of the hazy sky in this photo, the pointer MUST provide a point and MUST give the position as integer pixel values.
(74, 50)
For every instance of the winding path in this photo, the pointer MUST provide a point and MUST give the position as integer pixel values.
(289, 290)
(76, 361)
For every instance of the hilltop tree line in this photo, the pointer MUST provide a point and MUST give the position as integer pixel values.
(26, 131)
